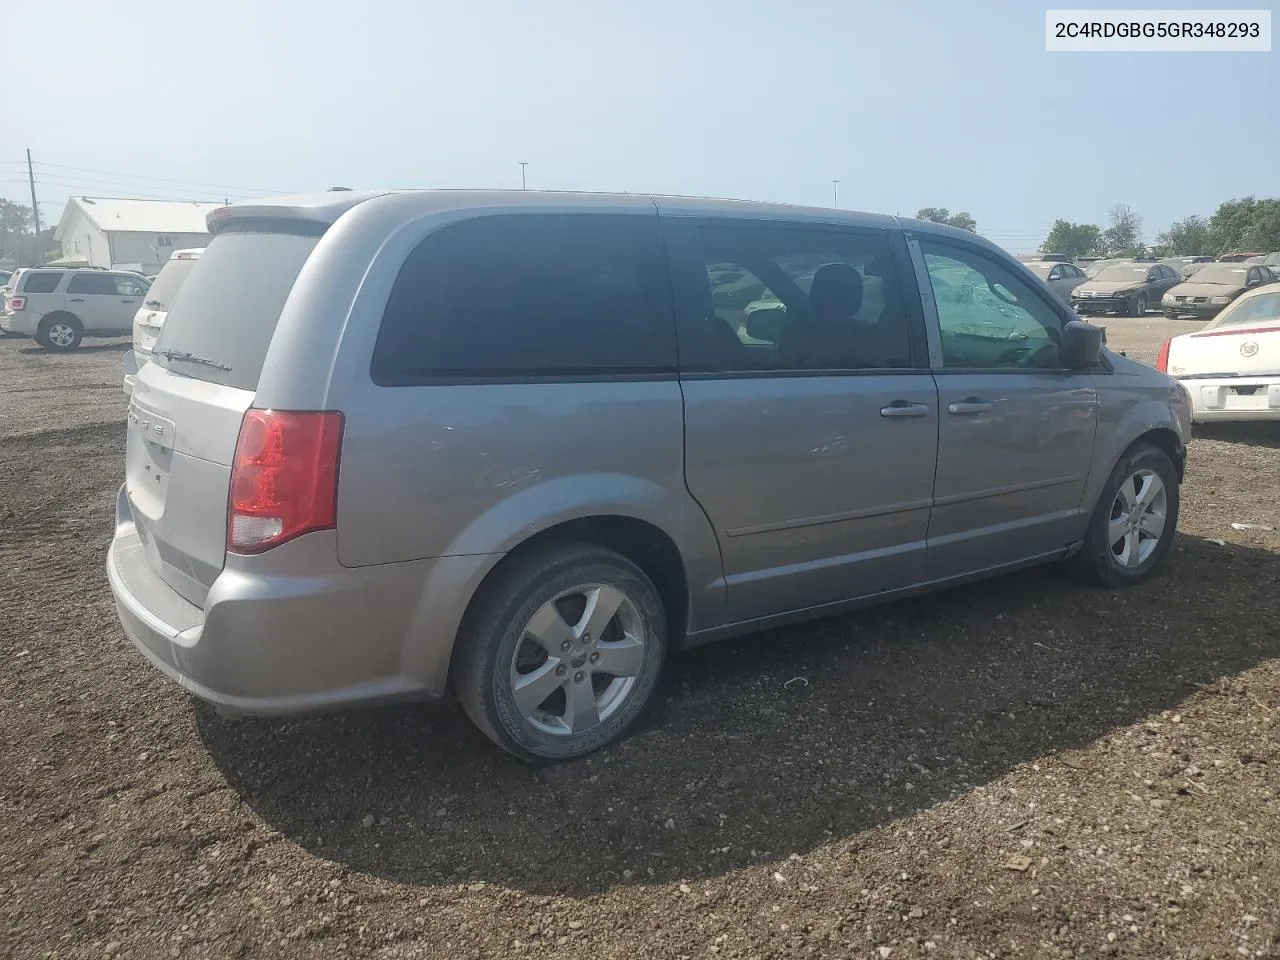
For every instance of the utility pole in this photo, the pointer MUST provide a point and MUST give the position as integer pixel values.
(835, 197)
(35, 213)
(524, 184)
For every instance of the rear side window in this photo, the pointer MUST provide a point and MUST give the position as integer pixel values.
(41, 282)
(230, 304)
(165, 287)
(94, 284)
(530, 296)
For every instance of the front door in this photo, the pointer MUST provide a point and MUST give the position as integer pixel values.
(810, 418)
(1017, 429)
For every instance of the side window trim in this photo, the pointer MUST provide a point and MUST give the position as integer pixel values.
(934, 327)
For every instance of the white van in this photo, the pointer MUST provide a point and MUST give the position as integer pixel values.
(150, 317)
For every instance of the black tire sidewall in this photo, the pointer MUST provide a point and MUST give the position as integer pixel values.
(484, 688)
(1096, 553)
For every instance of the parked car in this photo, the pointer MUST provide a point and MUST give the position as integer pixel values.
(1238, 257)
(1231, 368)
(389, 444)
(1126, 289)
(1185, 266)
(60, 305)
(1046, 257)
(149, 319)
(1097, 266)
(1059, 277)
(1213, 287)
(1272, 262)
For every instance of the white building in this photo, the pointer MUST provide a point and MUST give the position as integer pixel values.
(130, 234)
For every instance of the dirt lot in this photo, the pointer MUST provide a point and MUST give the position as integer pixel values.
(1020, 768)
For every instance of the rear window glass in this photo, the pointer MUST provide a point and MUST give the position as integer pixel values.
(530, 295)
(230, 305)
(43, 282)
(1265, 306)
(165, 287)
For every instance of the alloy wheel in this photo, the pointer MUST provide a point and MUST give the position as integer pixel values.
(1138, 516)
(577, 659)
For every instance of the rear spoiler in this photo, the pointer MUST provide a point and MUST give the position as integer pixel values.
(312, 212)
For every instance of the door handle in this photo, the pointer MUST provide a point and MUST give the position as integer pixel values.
(972, 405)
(900, 408)
(77, 299)
(128, 301)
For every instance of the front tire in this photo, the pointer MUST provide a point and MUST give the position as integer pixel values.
(1140, 305)
(563, 652)
(59, 331)
(1134, 521)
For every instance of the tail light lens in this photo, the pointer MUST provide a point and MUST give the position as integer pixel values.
(284, 478)
(1162, 358)
(17, 303)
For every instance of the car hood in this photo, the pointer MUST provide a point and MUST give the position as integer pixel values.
(1192, 289)
(1111, 286)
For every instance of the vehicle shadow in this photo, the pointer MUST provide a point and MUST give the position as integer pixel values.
(1256, 434)
(118, 346)
(759, 748)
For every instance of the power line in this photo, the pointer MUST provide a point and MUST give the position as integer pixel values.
(138, 190)
(135, 176)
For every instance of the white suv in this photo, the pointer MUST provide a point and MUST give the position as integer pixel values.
(61, 305)
(150, 316)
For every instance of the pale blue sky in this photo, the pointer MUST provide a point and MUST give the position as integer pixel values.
(908, 103)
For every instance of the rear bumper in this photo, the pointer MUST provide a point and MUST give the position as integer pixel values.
(23, 322)
(1218, 399)
(307, 637)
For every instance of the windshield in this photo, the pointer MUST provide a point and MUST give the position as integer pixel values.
(165, 287)
(1257, 309)
(230, 304)
(1123, 273)
(1222, 273)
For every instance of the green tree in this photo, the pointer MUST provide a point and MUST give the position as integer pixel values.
(1073, 239)
(959, 219)
(1124, 237)
(1248, 224)
(1188, 237)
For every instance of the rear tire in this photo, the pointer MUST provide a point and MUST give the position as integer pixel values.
(532, 666)
(1134, 522)
(59, 331)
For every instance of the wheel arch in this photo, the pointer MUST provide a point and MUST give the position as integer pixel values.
(645, 544)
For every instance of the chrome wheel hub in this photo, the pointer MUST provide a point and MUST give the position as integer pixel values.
(1137, 521)
(577, 660)
(61, 334)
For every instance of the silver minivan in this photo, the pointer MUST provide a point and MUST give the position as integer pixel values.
(520, 445)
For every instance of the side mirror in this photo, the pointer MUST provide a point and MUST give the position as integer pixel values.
(1081, 346)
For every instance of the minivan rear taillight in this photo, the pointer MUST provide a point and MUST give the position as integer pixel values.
(284, 478)
(16, 303)
(1162, 358)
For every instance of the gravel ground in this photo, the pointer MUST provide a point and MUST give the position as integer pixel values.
(1020, 768)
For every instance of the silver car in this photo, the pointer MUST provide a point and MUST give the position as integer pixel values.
(522, 445)
(1061, 278)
